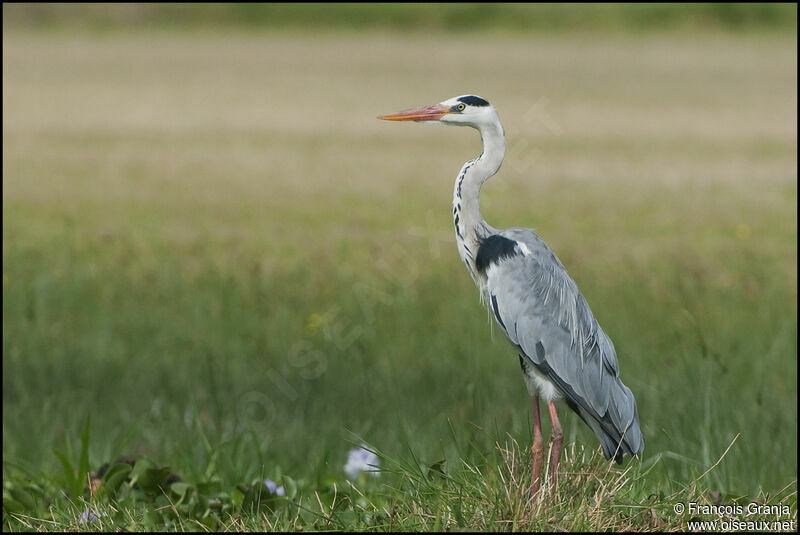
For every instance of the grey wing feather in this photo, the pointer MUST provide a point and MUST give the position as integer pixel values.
(542, 312)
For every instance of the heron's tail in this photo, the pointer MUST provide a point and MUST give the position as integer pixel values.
(618, 430)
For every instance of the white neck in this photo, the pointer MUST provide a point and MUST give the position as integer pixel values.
(470, 226)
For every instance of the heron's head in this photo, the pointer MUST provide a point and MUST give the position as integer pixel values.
(466, 110)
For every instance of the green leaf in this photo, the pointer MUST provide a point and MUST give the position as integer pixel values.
(237, 498)
(208, 488)
(114, 477)
(180, 488)
(83, 463)
(72, 481)
(438, 469)
(153, 478)
(290, 485)
(76, 479)
(457, 512)
(211, 469)
(142, 465)
(153, 517)
(10, 505)
(24, 498)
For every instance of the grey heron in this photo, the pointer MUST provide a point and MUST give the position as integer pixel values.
(563, 352)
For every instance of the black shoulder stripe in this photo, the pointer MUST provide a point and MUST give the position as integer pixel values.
(472, 100)
(493, 249)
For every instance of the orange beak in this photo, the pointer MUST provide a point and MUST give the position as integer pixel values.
(426, 113)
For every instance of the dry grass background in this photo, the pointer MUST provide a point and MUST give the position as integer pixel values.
(133, 118)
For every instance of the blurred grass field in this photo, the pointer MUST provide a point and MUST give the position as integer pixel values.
(358, 17)
(211, 244)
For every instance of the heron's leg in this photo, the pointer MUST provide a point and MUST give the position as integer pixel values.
(557, 437)
(537, 450)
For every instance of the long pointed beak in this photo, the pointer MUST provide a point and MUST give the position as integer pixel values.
(426, 113)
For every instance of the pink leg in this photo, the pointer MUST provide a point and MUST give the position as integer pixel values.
(557, 437)
(537, 450)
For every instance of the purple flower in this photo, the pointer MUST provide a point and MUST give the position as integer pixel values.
(89, 516)
(361, 460)
(273, 488)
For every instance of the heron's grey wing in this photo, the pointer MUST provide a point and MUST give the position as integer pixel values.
(541, 311)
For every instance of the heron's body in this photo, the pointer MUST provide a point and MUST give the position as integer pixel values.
(562, 350)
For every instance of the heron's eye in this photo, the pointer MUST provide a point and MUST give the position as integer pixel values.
(460, 107)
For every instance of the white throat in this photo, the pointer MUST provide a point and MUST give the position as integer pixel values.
(469, 225)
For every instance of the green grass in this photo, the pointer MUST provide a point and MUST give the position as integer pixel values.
(214, 250)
